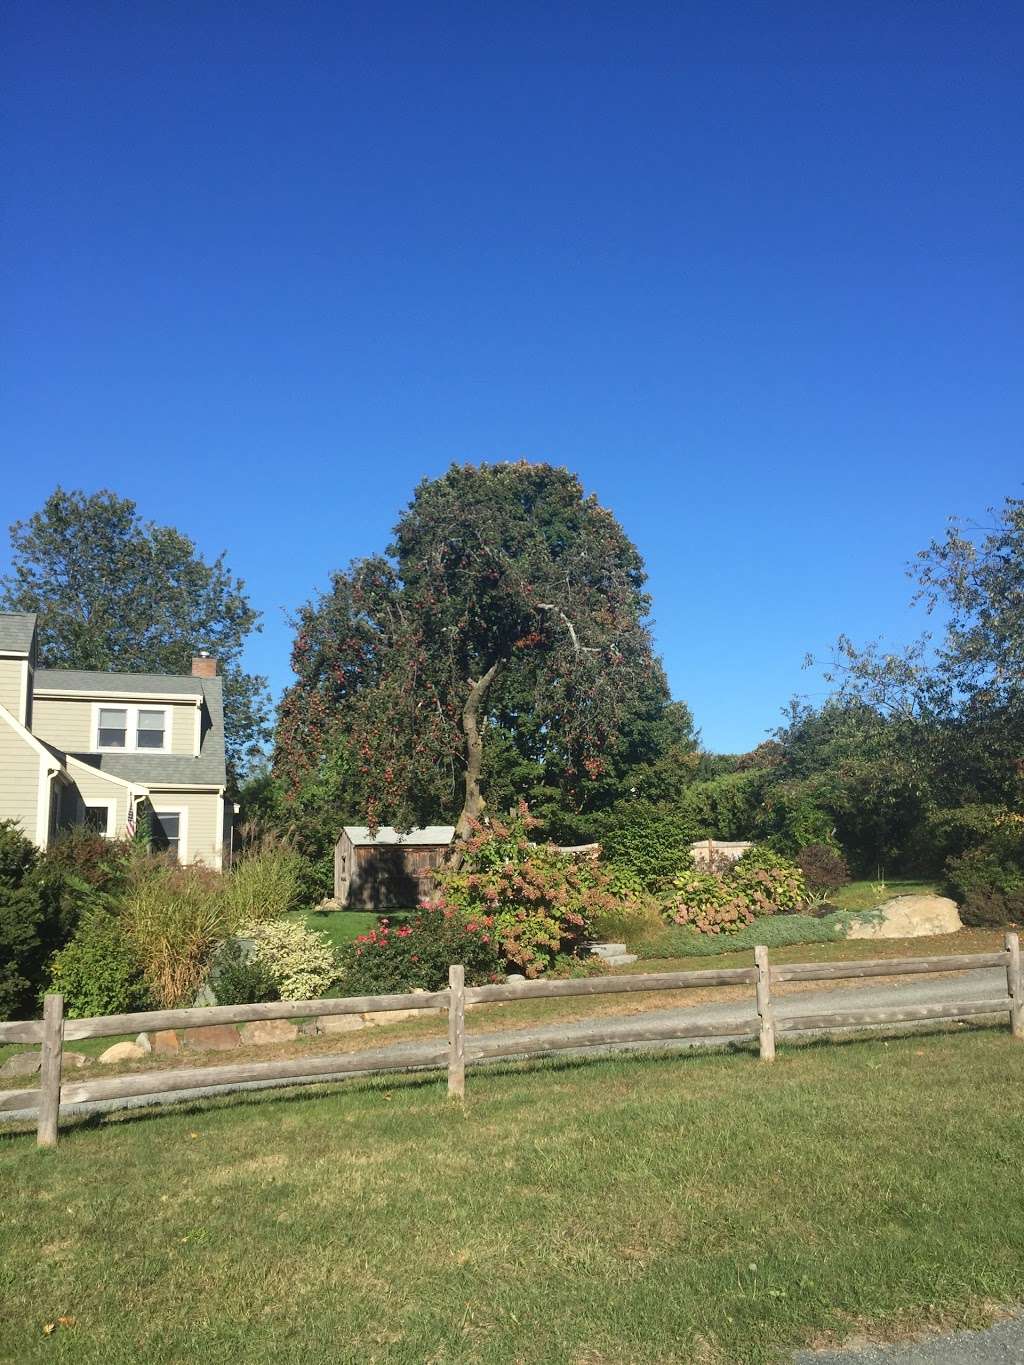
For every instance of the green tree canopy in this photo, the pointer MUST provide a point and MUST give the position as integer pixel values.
(113, 591)
(507, 621)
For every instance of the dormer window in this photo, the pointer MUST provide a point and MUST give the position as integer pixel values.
(150, 731)
(112, 732)
(131, 729)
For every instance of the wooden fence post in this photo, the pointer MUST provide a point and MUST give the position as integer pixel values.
(1015, 984)
(49, 1077)
(765, 1012)
(457, 1033)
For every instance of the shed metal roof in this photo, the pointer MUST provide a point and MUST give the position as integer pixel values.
(16, 631)
(387, 834)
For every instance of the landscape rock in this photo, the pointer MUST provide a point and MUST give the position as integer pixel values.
(166, 1041)
(337, 1023)
(909, 917)
(269, 1031)
(22, 1064)
(122, 1052)
(393, 1016)
(74, 1061)
(211, 1038)
(143, 1041)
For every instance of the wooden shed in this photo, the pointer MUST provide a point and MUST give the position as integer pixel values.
(389, 871)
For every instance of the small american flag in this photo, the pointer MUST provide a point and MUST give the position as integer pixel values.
(130, 824)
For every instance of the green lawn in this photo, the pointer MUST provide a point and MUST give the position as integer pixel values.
(693, 1209)
(868, 895)
(342, 926)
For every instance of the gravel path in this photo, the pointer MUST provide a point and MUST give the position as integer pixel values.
(1001, 1344)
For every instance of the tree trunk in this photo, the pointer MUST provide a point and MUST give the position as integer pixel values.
(473, 802)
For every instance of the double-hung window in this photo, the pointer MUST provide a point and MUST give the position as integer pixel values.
(167, 833)
(133, 728)
(112, 730)
(149, 729)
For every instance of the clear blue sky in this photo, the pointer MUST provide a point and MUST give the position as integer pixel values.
(754, 271)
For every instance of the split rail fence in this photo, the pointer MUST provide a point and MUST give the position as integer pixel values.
(54, 1030)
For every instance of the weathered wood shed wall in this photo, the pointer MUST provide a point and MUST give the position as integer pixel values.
(391, 871)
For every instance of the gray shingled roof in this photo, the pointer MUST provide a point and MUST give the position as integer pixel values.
(428, 834)
(16, 631)
(152, 770)
(81, 680)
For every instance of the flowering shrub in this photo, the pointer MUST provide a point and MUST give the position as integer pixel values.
(723, 900)
(540, 901)
(705, 901)
(301, 964)
(416, 954)
(768, 881)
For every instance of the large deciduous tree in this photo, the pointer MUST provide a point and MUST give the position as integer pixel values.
(113, 591)
(508, 613)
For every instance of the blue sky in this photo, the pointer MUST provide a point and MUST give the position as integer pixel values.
(753, 271)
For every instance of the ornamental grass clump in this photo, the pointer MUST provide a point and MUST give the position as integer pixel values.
(263, 883)
(174, 919)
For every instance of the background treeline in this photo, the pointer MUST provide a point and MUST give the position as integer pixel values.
(914, 765)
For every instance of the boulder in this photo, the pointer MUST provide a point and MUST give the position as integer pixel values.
(393, 1016)
(144, 1041)
(122, 1052)
(269, 1031)
(22, 1064)
(909, 917)
(334, 1023)
(211, 1038)
(166, 1041)
(74, 1061)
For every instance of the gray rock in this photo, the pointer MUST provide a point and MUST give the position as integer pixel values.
(22, 1064)
(74, 1061)
(143, 1041)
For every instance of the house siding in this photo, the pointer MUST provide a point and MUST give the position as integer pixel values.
(12, 673)
(67, 723)
(205, 834)
(89, 789)
(20, 776)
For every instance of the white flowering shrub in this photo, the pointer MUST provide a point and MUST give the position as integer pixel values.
(301, 963)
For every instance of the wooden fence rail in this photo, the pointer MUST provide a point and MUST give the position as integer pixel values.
(53, 1030)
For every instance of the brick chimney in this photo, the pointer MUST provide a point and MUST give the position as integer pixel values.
(204, 666)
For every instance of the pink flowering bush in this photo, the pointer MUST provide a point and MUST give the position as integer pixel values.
(415, 954)
(540, 903)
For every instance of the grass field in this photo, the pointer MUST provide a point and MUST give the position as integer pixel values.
(342, 926)
(868, 895)
(692, 1209)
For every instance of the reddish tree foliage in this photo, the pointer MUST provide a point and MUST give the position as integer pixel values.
(505, 588)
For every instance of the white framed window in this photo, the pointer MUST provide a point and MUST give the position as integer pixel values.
(168, 828)
(131, 729)
(100, 817)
